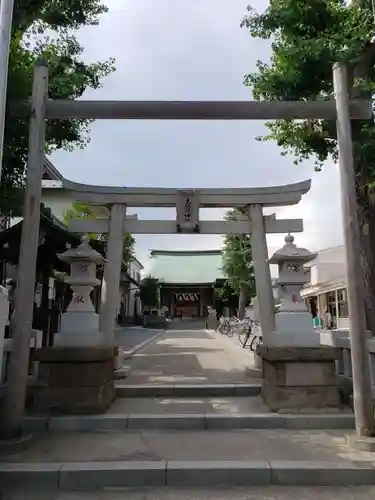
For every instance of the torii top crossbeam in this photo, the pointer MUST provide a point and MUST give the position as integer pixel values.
(194, 110)
(270, 196)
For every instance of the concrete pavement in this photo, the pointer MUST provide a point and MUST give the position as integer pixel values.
(128, 338)
(194, 356)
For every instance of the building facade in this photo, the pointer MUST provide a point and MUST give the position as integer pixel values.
(130, 303)
(326, 290)
(187, 280)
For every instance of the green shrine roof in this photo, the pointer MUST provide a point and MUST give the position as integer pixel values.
(186, 267)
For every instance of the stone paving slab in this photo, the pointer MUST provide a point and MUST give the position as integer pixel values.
(233, 493)
(149, 445)
(189, 356)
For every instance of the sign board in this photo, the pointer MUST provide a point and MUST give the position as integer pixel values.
(187, 297)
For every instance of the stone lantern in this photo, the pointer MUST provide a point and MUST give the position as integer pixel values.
(298, 373)
(80, 323)
(293, 322)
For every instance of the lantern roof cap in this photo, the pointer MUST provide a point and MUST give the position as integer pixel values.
(84, 252)
(290, 251)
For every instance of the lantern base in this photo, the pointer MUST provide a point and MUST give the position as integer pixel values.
(86, 322)
(282, 339)
(300, 379)
(74, 380)
(293, 329)
(80, 339)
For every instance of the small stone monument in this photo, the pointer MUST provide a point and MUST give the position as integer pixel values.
(211, 318)
(293, 321)
(298, 373)
(76, 375)
(80, 323)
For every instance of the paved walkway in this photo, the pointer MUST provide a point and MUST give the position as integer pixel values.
(190, 357)
(127, 338)
(155, 445)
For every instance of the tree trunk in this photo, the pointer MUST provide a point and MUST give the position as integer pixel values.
(242, 304)
(366, 219)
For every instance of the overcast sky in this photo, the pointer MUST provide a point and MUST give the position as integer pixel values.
(190, 50)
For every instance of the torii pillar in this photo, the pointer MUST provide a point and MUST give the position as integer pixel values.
(112, 272)
(262, 271)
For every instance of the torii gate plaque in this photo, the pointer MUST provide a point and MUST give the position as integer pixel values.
(187, 211)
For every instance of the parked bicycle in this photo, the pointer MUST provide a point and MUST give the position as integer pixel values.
(247, 330)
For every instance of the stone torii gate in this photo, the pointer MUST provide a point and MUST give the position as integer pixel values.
(188, 203)
(40, 107)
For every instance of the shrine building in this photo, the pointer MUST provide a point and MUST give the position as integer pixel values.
(188, 279)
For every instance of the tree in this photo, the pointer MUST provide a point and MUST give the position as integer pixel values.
(237, 264)
(82, 211)
(225, 296)
(307, 38)
(45, 28)
(149, 292)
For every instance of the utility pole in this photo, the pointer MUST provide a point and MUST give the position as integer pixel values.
(363, 410)
(21, 325)
(6, 17)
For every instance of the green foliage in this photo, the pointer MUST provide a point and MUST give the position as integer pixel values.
(45, 28)
(82, 211)
(237, 260)
(225, 296)
(307, 38)
(149, 292)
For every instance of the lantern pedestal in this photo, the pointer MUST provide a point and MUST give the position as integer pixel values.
(299, 375)
(76, 376)
(74, 380)
(300, 379)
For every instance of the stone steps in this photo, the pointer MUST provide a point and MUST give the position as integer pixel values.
(189, 421)
(186, 390)
(95, 476)
(118, 459)
(275, 492)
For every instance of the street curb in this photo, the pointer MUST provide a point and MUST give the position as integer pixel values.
(204, 421)
(89, 476)
(129, 354)
(187, 390)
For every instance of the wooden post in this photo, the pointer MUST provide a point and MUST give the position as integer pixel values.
(363, 408)
(21, 324)
(112, 272)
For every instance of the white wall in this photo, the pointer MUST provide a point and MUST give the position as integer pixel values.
(328, 266)
(334, 254)
(330, 271)
(58, 200)
(134, 268)
(313, 275)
